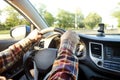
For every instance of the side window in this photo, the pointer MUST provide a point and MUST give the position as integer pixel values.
(9, 19)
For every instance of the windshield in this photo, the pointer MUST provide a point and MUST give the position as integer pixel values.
(81, 15)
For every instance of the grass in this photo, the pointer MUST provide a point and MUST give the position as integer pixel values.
(5, 32)
(86, 31)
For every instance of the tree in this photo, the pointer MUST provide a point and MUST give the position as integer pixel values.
(79, 19)
(92, 20)
(49, 18)
(13, 18)
(116, 14)
(65, 19)
(42, 9)
(45, 14)
(1, 24)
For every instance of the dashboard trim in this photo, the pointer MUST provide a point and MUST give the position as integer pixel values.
(94, 59)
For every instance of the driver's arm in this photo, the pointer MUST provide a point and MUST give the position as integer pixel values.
(65, 66)
(9, 56)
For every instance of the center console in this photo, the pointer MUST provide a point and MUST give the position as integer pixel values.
(106, 56)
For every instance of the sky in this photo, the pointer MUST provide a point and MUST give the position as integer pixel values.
(2, 4)
(103, 7)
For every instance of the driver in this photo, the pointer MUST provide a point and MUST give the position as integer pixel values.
(65, 67)
(13, 53)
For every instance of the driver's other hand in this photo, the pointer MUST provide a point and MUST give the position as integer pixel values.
(70, 36)
(35, 35)
(3, 78)
(32, 72)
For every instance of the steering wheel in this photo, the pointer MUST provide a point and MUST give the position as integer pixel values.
(42, 59)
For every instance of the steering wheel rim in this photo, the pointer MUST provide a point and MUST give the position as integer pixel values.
(29, 55)
(52, 29)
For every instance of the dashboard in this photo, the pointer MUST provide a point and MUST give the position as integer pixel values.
(101, 57)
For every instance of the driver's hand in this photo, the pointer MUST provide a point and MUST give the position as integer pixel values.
(32, 72)
(71, 37)
(3, 78)
(35, 35)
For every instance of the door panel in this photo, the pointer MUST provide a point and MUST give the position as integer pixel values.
(4, 44)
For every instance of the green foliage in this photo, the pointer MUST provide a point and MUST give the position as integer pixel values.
(65, 19)
(92, 20)
(47, 15)
(42, 9)
(13, 19)
(0, 15)
(79, 19)
(2, 26)
(49, 18)
(116, 14)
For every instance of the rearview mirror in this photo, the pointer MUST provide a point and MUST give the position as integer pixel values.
(20, 32)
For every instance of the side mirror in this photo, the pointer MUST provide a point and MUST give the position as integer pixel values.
(20, 32)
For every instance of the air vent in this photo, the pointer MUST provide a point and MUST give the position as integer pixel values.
(96, 50)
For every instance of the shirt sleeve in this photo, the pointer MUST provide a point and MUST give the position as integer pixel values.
(11, 55)
(65, 66)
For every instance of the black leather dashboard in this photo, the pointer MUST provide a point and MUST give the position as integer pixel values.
(102, 56)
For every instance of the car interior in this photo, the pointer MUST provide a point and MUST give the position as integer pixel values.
(98, 54)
